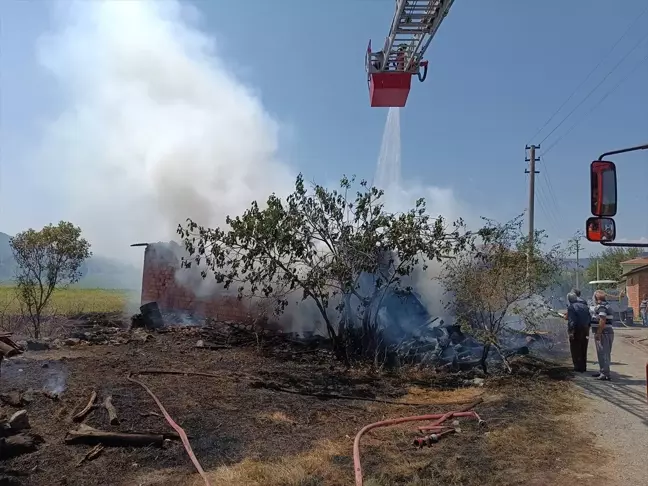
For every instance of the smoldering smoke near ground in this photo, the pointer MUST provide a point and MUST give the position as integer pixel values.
(154, 129)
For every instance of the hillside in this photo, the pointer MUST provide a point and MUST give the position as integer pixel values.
(585, 262)
(98, 271)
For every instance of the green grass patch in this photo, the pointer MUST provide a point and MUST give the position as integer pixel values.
(71, 301)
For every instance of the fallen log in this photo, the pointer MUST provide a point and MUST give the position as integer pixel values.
(335, 396)
(8, 350)
(112, 412)
(91, 436)
(92, 454)
(9, 345)
(18, 444)
(275, 387)
(79, 416)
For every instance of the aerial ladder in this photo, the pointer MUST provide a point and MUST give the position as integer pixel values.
(390, 70)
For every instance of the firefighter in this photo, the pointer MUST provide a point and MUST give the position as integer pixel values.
(379, 58)
(400, 57)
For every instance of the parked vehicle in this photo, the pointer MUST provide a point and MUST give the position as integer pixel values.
(622, 313)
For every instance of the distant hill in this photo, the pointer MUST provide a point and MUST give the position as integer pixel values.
(97, 271)
(585, 262)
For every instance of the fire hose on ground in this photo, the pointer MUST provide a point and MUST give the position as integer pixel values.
(439, 430)
(438, 418)
(177, 428)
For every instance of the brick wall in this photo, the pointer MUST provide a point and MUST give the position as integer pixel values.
(637, 285)
(159, 284)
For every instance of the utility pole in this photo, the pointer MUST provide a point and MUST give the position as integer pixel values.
(598, 276)
(578, 249)
(575, 247)
(532, 173)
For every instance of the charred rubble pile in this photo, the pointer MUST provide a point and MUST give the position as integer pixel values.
(414, 336)
(216, 334)
(102, 328)
(99, 329)
(446, 345)
(88, 329)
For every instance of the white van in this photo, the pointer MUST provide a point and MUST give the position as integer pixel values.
(618, 301)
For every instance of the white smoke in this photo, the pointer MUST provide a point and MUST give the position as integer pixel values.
(155, 129)
(440, 201)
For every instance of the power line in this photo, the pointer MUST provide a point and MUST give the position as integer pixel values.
(625, 33)
(549, 216)
(548, 180)
(596, 87)
(543, 201)
(603, 98)
(551, 197)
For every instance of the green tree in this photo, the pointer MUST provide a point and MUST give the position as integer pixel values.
(318, 242)
(46, 260)
(609, 263)
(489, 282)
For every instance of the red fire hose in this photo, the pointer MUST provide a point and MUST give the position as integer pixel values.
(439, 430)
(449, 415)
(432, 438)
(177, 428)
(438, 417)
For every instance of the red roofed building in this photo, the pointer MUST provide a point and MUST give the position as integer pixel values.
(635, 275)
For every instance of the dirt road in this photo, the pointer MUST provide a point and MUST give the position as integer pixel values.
(617, 412)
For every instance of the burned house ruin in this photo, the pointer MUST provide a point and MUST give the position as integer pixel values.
(164, 282)
(186, 298)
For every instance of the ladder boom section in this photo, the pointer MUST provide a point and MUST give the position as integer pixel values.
(414, 25)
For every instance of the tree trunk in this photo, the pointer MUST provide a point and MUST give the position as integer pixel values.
(484, 358)
(339, 350)
(90, 436)
(369, 344)
(37, 318)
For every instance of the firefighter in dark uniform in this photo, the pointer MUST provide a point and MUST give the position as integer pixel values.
(578, 327)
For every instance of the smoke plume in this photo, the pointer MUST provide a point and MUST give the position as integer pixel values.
(154, 128)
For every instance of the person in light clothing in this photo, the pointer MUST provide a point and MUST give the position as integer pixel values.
(603, 335)
(643, 310)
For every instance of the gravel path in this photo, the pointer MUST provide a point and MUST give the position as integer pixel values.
(617, 413)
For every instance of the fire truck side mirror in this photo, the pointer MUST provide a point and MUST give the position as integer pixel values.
(603, 187)
(600, 229)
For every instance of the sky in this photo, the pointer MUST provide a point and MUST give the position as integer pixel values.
(128, 118)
